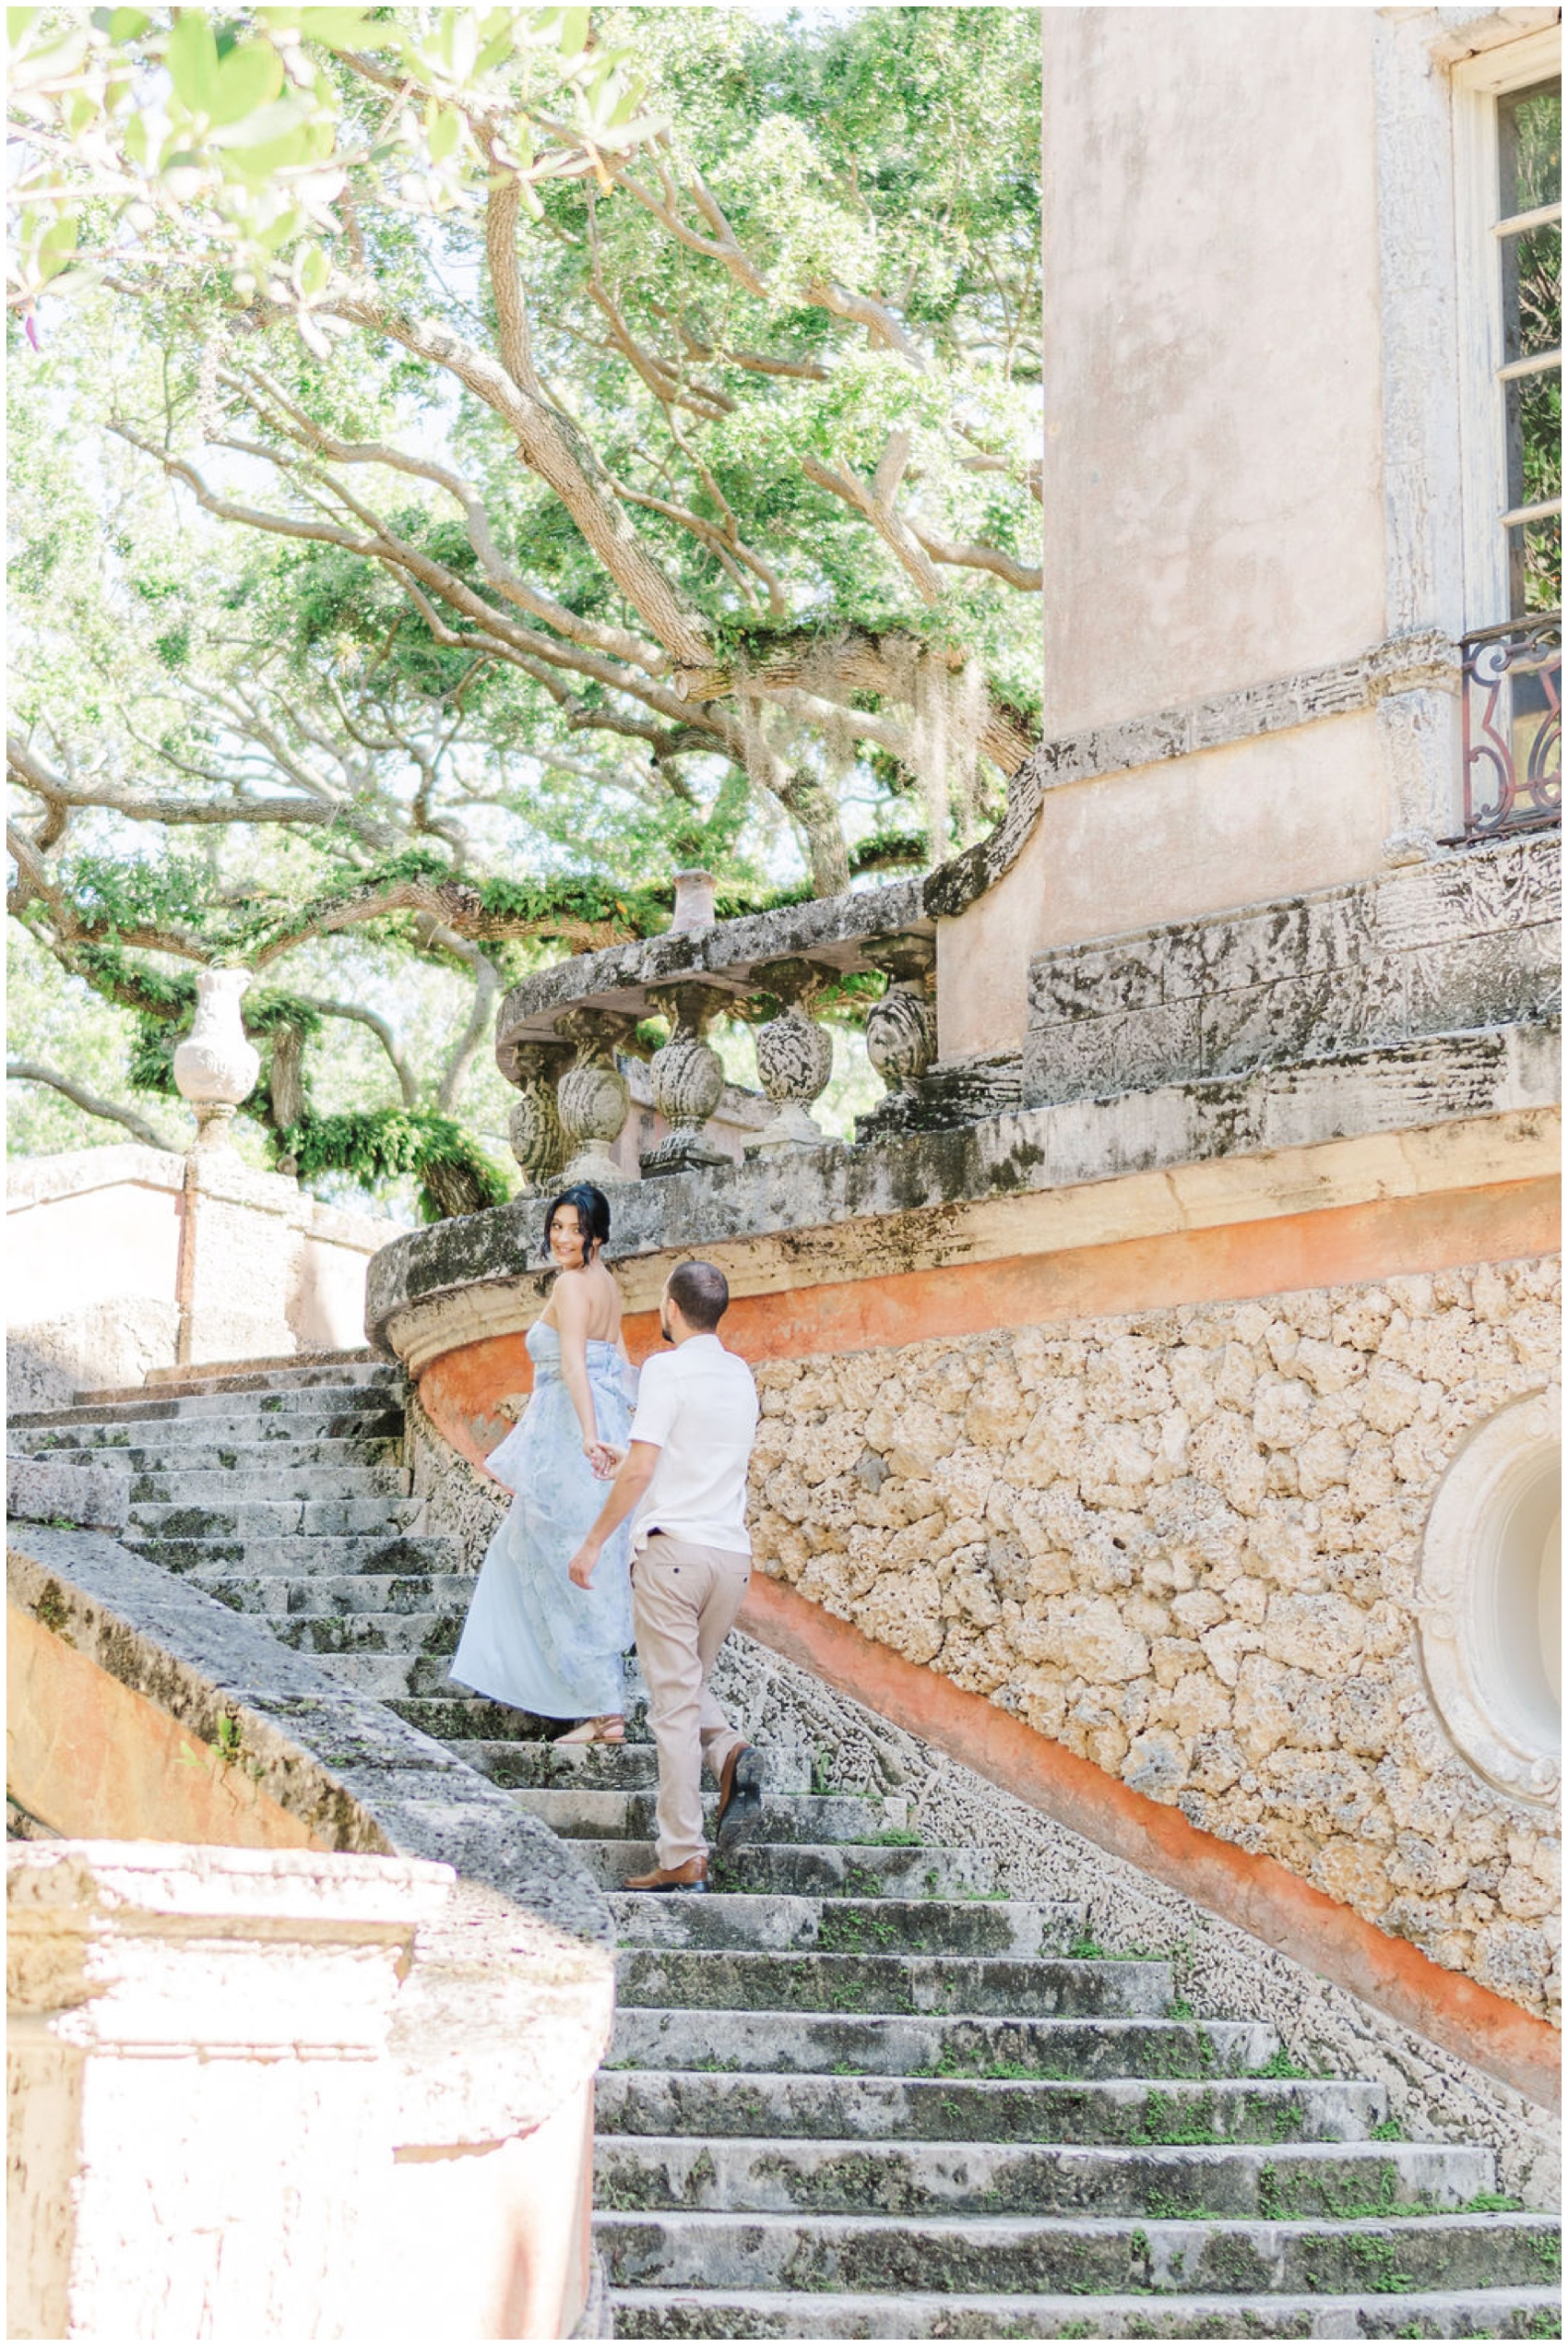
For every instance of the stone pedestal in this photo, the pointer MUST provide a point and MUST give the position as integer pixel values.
(202, 2106)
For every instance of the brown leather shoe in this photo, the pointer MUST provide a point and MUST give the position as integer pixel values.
(691, 1875)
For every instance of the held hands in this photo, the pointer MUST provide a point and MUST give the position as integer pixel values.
(604, 1458)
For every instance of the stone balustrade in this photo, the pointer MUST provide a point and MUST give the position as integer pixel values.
(562, 1036)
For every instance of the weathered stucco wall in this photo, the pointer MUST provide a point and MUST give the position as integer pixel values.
(1213, 426)
(1185, 1543)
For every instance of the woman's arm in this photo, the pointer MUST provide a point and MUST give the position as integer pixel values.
(572, 1311)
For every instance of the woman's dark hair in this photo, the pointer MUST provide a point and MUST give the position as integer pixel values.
(593, 1213)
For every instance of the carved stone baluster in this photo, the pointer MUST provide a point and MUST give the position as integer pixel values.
(688, 1080)
(795, 1059)
(534, 1126)
(901, 1028)
(592, 1097)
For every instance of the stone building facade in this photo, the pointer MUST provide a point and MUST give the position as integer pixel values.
(1170, 1365)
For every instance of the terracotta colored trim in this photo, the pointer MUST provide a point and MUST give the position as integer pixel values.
(1256, 1892)
(1333, 1246)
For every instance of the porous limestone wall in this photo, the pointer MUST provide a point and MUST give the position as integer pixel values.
(1186, 1546)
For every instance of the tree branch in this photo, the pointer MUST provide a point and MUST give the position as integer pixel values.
(35, 1071)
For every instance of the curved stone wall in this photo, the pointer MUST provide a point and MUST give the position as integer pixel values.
(1187, 1544)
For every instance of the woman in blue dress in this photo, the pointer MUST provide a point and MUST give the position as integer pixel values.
(531, 1638)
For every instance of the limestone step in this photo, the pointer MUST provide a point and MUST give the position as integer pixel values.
(380, 1454)
(461, 1719)
(176, 1438)
(832, 1870)
(273, 1519)
(271, 1484)
(786, 1816)
(268, 1400)
(1121, 2112)
(1041, 1987)
(388, 1677)
(628, 1767)
(960, 2049)
(329, 1593)
(761, 2176)
(373, 1633)
(844, 1927)
(1081, 2254)
(359, 1367)
(302, 1551)
(1476, 2312)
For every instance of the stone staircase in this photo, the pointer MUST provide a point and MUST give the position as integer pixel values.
(859, 2091)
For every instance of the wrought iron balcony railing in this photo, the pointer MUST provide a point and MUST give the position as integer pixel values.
(1512, 685)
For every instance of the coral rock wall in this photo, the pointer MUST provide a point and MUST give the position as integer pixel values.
(1186, 1545)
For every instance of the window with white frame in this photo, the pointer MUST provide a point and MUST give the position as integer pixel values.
(1509, 125)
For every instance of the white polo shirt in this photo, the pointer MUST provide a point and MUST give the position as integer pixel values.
(699, 1404)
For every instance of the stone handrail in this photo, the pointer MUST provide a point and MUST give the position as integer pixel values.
(560, 1032)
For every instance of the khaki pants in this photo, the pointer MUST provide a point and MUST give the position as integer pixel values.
(685, 1599)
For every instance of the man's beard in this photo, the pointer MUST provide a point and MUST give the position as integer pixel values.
(664, 1329)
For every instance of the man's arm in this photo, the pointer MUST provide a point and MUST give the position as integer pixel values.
(636, 1474)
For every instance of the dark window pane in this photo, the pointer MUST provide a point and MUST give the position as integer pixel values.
(1532, 293)
(1535, 437)
(1529, 149)
(1534, 566)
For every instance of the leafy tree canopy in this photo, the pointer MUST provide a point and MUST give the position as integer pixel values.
(467, 464)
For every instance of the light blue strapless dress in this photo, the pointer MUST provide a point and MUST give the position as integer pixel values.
(532, 1638)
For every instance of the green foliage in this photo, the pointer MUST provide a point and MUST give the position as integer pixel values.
(378, 1147)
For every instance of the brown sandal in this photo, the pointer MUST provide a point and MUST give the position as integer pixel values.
(610, 1728)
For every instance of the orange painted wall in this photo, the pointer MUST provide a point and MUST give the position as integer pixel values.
(100, 1762)
(1339, 1244)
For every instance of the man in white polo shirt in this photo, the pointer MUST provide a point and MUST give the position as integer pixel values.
(684, 1473)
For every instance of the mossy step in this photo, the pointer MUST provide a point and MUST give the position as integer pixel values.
(1047, 1986)
(381, 1512)
(901, 2044)
(758, 2176)
(1478, 2313)
(301, 1552)
(269, 1400)
(630, 1767)
(1123, 2111)
(326, 1593)
(461, 1720)
(786, 1816)
(170, 1440)
(429, 1632)
(829, 1869)
(388, 1677)
(1080, 2255)
(266, 1484)
(846, 1927)
(378, 1456)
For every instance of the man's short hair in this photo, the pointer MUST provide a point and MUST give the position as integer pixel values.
(702, 1292)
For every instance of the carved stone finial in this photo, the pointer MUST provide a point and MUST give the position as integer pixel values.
(688, 1080)
(592, 1097)
(216, 1068)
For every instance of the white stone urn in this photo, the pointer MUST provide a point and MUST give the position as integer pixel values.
(216, 1068)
